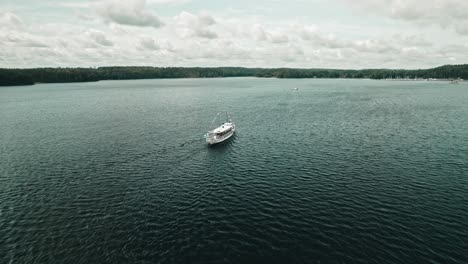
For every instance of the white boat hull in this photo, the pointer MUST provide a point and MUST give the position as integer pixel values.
(221, 133)
(216, 140)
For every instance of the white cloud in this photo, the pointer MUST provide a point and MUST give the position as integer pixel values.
(412, 51)
(191, 25)
(10, 20)
(147, 43)
(372, 45)
(389, 35)
(165, 2)
(445, 13)
(319, 38)
(309, 32)
(412, 40)
(462, 27)
(128, 12)
(205, 33)
(258, 32)
(277, 36)
(33, 43)
(99, 38)
(190, 20)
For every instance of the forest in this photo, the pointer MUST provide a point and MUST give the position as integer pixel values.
(9, 77)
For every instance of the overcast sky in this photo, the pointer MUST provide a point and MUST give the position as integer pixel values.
(261, 33)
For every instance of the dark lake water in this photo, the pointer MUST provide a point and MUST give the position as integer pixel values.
(340, 171)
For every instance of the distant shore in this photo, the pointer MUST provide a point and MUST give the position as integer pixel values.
(11, 77)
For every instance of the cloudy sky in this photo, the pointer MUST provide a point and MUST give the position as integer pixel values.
(261, 33)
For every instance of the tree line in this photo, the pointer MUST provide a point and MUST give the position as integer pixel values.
(62, 75)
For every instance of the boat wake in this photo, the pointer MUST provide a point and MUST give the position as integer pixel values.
(189, 142)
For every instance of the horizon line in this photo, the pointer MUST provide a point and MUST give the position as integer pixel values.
(219, 67)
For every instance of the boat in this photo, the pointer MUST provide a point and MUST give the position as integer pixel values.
(221, 133)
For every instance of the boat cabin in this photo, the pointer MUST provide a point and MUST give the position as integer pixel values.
(222, 130)
(221, 133)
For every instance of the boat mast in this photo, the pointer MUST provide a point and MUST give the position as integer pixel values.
(214, 120)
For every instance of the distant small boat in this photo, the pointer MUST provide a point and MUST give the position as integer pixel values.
(221, 133)
(295, 89)
(455, 81)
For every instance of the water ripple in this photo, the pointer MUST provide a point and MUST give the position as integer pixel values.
(344, 172)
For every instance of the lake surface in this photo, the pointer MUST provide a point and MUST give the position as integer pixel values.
(340, 171)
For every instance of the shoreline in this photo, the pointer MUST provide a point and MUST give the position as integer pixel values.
(17, 77)
(447, 81)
